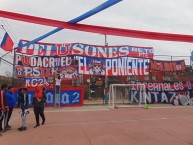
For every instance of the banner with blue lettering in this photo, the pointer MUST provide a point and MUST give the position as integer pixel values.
(43, 61)
(33, 82)
(160, 92)
(79, 49)
(122, 66)
(45, 66)
(68, 72)
(68, 97)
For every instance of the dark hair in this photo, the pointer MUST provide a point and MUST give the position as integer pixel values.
(10, 87)
(25, 89)
(3, 86)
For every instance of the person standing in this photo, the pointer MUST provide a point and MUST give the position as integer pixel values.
(11, 103)
(19, 97)
(3, 107)
(24, 105)
(39, 101)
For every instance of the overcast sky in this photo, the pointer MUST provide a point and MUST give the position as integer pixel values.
(170, 16)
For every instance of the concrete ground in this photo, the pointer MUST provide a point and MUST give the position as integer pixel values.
(98, 125)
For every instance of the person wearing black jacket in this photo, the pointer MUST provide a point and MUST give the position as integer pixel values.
(39, 101)
(3, 106)
(24, 105)
(19, 94)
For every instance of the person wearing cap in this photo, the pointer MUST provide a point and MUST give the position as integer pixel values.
(24, 105)
(3, 106)
(38, 102)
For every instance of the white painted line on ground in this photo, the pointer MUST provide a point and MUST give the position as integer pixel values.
(119, 121)
(169, 107)
(76, 110)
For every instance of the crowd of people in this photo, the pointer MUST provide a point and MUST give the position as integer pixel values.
(8, 101)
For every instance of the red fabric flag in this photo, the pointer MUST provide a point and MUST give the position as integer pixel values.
(7, 43)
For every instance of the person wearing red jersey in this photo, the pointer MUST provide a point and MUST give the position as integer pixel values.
(3, 106)
(38, 102)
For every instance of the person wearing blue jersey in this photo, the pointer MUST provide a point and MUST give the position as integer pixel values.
(11, 104)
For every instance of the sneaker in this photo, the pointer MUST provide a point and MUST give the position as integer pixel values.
(36, 125)
(8, 126)
(43, 122)
(22, 128)
(4, 130)
(19, 128)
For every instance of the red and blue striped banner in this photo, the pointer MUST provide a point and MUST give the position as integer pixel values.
(122, 66)
(79, 49)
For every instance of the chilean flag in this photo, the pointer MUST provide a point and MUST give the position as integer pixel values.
(7, 43)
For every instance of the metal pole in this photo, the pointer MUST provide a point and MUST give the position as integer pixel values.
(172, 72)
(106, 78)
(190, 61)
(110, 95)
(89, 90)
(106, 44)
(1, 58)
(113, 99)
(13, 73)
